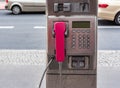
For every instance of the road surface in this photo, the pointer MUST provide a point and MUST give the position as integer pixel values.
(28, 31)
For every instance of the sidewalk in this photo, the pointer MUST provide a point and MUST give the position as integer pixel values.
(23, 68)
(38, 57)
(2, 5)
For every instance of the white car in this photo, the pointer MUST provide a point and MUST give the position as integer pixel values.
(109, 10)
(18, 6)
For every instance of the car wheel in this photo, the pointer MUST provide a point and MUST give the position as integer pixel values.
(117, 18)
(16, 10)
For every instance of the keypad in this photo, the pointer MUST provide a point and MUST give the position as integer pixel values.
(73, 41)
(84, 41)
(81, 38)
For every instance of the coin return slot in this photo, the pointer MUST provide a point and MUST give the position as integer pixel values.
(78, 62)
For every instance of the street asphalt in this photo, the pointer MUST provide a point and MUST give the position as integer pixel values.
(22, 31)
(28, 31)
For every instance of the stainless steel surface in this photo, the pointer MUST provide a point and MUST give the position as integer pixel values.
(77, 32)
(77, 75)
(72, 81)
(76, 51)
(77, 7)
(79, 67)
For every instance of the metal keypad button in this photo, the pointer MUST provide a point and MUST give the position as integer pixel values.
(73, 43)
(88, 36)
(80, 47)
(73, 39)
(73, 36)
(73, 31)
(78, 31)
(83, 31)
(88, 31)
(73, 46)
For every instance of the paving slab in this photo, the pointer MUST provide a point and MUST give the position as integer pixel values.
(23, 68)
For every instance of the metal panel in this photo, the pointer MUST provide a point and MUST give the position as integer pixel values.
(71, 81)
(88, 50)
(90, 7)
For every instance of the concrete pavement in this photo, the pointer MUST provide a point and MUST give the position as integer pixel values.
(20, 76)
(38, 57)
(23, 68)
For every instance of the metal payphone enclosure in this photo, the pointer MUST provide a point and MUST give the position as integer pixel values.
(80, 65)
(79, 43)
(75, 7)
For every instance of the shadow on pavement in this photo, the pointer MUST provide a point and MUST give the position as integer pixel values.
(6, 12)
(33, 12)
(30, 13)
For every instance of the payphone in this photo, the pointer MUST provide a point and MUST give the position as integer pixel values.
(72, 41)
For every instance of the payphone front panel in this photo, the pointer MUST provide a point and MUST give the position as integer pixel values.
(80, 44)
(72, 7)
(79, 66)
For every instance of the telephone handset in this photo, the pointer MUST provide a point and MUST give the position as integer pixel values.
(66, 31)
(59, 30)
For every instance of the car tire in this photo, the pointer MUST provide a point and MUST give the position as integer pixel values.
(16, 10)
(117, 19)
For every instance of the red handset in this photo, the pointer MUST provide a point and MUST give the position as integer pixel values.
(59, 29)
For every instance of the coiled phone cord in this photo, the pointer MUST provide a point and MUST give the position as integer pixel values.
(51, 60)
